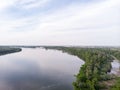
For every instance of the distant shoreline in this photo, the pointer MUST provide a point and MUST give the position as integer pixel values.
(8, 50)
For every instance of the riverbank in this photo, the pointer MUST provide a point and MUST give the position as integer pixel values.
(93, 75)
(96, 67)
(7, 50)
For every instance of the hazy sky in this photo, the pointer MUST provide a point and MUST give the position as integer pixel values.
(60, 22)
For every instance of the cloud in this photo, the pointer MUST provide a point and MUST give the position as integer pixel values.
(78, 23)
(5, 3)
(28, 4)
(76, 17)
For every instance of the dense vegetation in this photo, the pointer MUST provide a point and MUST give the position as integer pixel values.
(117, 84)
(6, 50)
(96, 67)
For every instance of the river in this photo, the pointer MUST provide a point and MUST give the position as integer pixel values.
(38, 69)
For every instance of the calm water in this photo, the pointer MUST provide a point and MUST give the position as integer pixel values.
(115, 67)
(38, 69)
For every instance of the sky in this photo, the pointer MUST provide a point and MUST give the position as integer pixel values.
(60, 22)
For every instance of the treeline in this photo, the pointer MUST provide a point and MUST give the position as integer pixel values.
(6, 50)
(116, 54)
(96, 67)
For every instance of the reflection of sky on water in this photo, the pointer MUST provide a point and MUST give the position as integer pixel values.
(38, 69)
(115, 67)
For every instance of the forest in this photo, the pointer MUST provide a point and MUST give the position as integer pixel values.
(93, 75)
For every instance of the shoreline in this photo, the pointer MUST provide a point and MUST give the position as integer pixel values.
(8, 50)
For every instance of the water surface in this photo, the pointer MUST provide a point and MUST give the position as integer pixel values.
(115, 67)
(38, 69)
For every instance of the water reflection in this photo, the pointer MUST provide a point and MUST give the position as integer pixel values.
(38, 69)
(115, 67)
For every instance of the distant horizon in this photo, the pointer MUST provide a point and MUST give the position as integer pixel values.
(60, 45)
